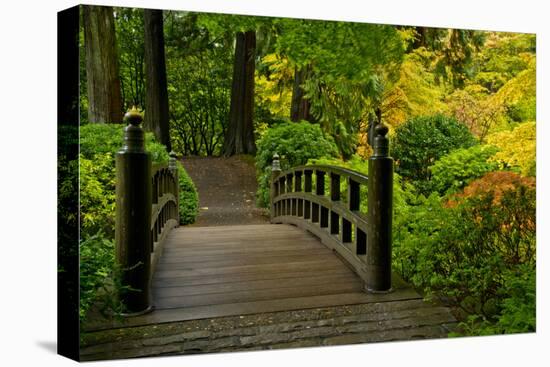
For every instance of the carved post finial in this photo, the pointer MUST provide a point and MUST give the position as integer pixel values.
(381, 143)
(172, 161)
(275, 164)
(134, 136)
(133, 116)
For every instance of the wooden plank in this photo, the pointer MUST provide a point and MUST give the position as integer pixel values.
(170, 298)
(232, 278)
(220, 261)
(243, 245)
(330, 263)
(281, 256)
(253, 285)
(247, 308)
(264, 240)
(287, 250)
(239, 227)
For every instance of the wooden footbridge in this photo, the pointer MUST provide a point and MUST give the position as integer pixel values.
(319, 274)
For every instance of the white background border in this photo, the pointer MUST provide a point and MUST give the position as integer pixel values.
(28, 182)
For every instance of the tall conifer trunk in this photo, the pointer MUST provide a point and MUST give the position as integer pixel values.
(300, 106)
(103, 81)
(239, 138)
(156, 97)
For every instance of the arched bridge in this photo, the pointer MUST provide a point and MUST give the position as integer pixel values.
(328, 244)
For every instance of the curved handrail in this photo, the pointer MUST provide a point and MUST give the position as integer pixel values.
(339, 225)
(164, 206)
(346, 172)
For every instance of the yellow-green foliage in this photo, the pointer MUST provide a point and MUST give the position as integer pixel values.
(517, 148)
(274, 90)
(519, 93)
(416, 93)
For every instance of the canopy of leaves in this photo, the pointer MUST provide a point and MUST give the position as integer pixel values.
(416, 93)
(352, 65)
(517, 148)
(455, 170)
(131, 55)
(420, 142)
(295, 143)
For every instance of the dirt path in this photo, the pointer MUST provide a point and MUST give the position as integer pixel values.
(227, 190)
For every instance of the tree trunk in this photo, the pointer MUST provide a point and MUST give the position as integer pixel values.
(104, 98)
(300, 106)
(156, 97)
(239, 137)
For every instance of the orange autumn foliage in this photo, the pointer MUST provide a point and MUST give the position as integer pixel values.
(495, 183)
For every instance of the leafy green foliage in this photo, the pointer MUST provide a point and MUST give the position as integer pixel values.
(296, 143)
(98, 146)
(517, 148)
(352, 64)
(419, 142)
(97, 194)
(455, 170)
(199, 69)
(416, 92)
(131, 55)
(97, 258)
(471, 252)
(188, 197)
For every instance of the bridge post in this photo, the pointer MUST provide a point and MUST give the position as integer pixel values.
(380, 211)
(133, 217)
(275, 171)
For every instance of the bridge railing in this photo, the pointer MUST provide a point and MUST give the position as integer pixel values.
(301, 196)
(146, 210)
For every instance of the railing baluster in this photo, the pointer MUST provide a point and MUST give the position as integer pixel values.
(154, 189)
(320, 185)
(324, 217)
(314, 212)
(307, 209)
(307, 182)
(361, 242)
(334, 222)
(346, 230)
(298, 181)
(334, 187)
(354, 195)
(289, 182)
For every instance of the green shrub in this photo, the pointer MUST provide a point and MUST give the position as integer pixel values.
(455, 170)
(420, 142)
(98, 146)
(470, 253)
(97, 258)
(296, 143)
(109, 138)
(188, 197)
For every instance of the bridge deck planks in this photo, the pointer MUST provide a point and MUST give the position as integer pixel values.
(210, 272)
(250, 274)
